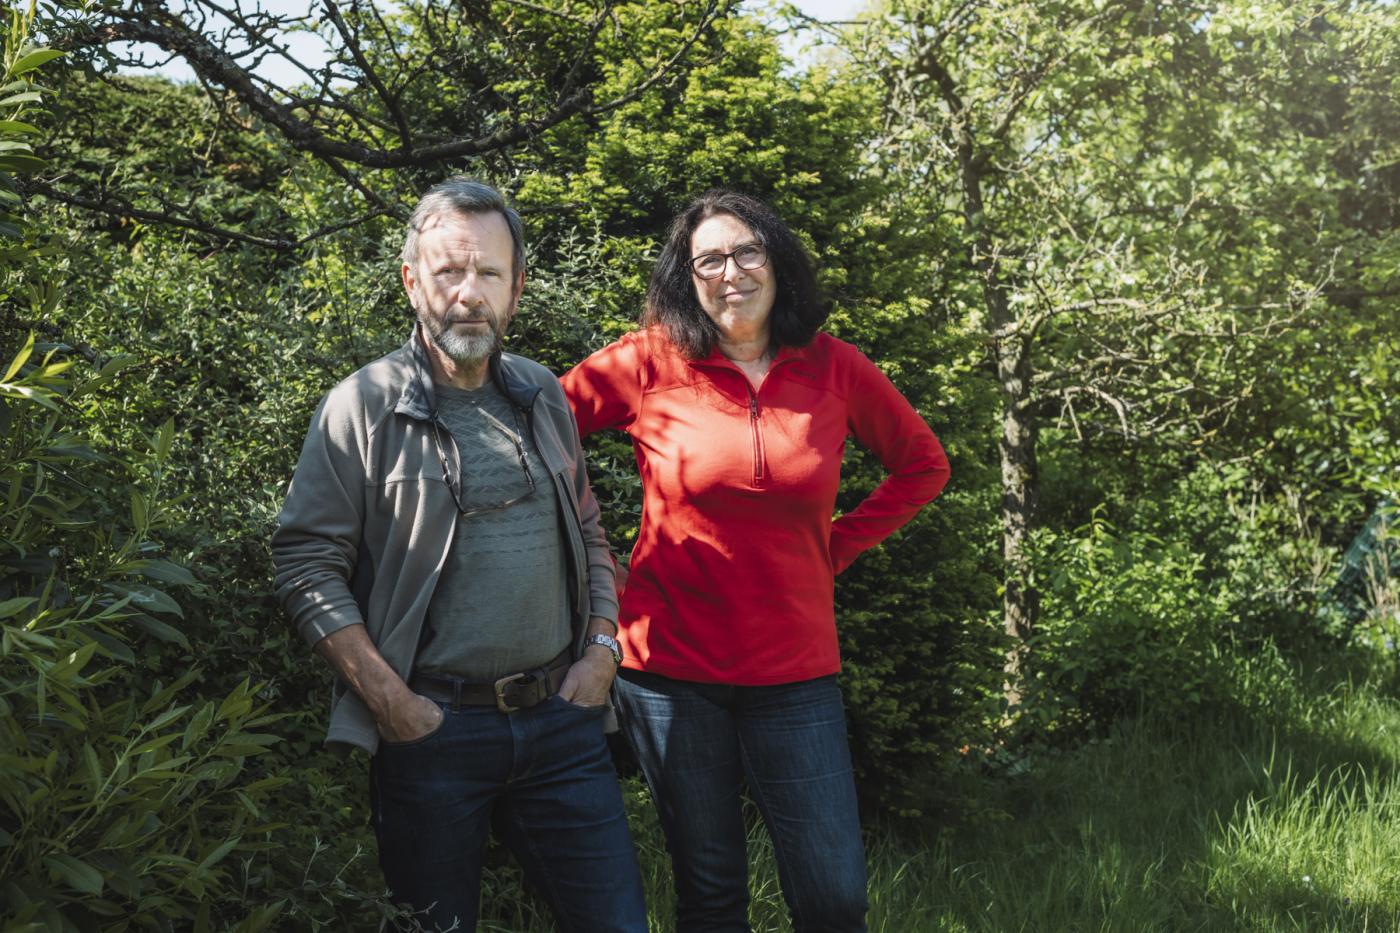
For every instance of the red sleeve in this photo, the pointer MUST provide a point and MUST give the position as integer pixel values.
(886, 424)
(605, 390)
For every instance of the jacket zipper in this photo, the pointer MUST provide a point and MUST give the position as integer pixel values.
(759, 467)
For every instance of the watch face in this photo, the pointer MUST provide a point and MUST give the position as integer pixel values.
(607, 641)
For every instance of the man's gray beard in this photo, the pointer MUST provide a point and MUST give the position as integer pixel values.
(467, 348)
(464, 348)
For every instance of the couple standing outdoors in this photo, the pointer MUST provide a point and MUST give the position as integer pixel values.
(440, 548)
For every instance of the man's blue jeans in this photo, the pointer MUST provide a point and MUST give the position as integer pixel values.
(546, 777)
(698, 742)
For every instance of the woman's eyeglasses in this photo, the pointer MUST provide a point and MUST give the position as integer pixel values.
(711, 265)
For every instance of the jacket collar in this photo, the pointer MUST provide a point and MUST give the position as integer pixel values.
(717, 358)
(512, 384)
(419, 399)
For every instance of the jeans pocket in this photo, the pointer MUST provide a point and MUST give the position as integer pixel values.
(578, 707)
(412, 743)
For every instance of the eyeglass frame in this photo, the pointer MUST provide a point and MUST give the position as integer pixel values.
(732, 254)
(452, 488)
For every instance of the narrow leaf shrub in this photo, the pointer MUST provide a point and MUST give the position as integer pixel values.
(123, 802)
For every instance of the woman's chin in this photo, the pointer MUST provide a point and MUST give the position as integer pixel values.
(741, 321)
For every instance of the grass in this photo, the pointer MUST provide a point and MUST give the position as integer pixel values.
(1236, 822)
(1279, 819)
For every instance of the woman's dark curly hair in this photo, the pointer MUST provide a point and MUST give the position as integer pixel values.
(798, 307)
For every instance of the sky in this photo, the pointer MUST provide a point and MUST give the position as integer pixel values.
(830, 9)
(311, 52)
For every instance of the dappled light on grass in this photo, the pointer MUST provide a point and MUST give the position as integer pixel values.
(1235, 822)
(1312, 852)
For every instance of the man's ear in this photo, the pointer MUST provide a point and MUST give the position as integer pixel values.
(409, 283)
(515, 298)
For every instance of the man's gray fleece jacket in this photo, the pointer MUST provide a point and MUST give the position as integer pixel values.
(368, 519)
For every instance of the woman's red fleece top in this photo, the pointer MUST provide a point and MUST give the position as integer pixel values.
(732, 574)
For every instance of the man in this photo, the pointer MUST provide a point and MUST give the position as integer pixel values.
(440, 547)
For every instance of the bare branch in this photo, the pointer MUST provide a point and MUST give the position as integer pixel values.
(397, 211)
(217, 66)
(391, 103)
(571, 79)
(1065, 397)
(118, 207)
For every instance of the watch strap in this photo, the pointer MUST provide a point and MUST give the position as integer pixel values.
(608, 642)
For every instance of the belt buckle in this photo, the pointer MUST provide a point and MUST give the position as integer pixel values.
(501, 685)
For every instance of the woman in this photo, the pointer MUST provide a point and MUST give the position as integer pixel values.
(738, 411)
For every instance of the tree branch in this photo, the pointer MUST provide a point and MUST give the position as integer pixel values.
(117, 207)
(391, 103)
(215, 65)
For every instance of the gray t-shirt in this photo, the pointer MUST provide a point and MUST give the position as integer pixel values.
(501, 604)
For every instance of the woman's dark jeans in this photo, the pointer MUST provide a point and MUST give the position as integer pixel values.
(697, 743)
(546, 777)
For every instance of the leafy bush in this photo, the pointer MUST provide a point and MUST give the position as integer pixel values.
(1129, 624)
(122, 801)
(921, 659)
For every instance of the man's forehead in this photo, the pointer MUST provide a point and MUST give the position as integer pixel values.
(453, 229)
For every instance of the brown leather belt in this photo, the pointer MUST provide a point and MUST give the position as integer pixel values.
(510, 693)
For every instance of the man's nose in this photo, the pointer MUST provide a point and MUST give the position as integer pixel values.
(469, 290)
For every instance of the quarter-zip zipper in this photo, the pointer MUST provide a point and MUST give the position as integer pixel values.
(760, 468)
(760, 462)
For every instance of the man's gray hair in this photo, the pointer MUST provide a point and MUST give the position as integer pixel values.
(462, 195)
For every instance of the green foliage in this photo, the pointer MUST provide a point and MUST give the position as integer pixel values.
(1202, 228)
(1129, 624)
(122, 803)
(1177, 241)
(121, 800)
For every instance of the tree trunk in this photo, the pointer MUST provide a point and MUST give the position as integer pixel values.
(1011, 344)
(1019, 490)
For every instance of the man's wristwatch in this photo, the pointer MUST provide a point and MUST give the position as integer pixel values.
(608, 642)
